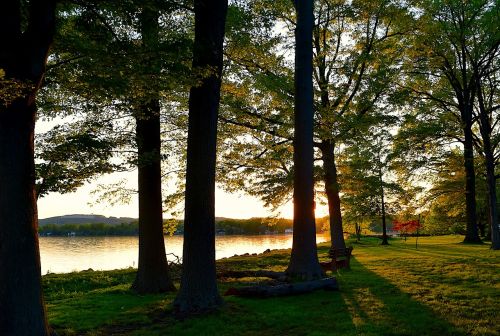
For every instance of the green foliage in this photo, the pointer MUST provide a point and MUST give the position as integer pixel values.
(445, 200)
(69, 156)
(104, 66)
(11, 89)
(356, 48)
(366, 178)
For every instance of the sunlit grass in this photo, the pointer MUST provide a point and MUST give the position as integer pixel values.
(442, 288)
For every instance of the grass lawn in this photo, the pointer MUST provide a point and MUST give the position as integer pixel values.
(443, 288)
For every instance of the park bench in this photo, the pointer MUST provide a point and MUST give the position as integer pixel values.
(341, 258)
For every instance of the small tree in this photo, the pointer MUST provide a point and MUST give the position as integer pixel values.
(406, 227)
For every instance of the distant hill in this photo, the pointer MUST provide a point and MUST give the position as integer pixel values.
(85, 219)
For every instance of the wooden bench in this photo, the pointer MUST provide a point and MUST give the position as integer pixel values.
(341, 258)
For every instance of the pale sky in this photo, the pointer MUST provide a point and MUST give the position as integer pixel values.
(83, 202)
(80, 202)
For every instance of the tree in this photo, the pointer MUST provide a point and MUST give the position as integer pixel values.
(441, 55)
(406, 227)
(121, 94)
(304, 259)
(198, 291)
(152, 272)
(368, 188)
(355, 47)
(486, 125)
(354, 80)
(486, 73)
(445, 198)
(23, 57)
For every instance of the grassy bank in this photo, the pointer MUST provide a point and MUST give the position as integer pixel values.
(443, 288)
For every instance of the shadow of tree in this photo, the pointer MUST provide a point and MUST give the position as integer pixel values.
(378, 307)
(377, 297)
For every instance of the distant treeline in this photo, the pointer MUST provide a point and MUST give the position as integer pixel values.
(229, 226)
(259, 225)
(90, 229)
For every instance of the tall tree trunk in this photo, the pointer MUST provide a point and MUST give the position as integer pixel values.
(358, 231)
(304, 259)
(486, 130)
(152, 273)
(22, 309)
(198, 290)
(23, 56)
(492, 199)
(332, 193)
(382, 202)
(472, 234)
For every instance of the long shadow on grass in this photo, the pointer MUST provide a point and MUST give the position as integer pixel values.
(453, 250)
(367, 304)
(377, 307)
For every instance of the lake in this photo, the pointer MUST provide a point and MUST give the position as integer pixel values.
(68, 254)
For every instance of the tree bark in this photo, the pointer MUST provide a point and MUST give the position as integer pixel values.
(358, 231)
(382, 201)
(22, 309)
(332, 193)
(485, 129)
(198, 291)
(22, 57)
(492, 196)
(472, 234)
(304, 259)
(152, 273)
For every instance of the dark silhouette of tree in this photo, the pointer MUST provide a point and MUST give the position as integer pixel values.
(116, 72)
(152, 273)
(304, 259)
(22, 65)
(198, 291)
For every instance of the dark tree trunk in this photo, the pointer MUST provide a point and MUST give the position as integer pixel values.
(492, 201)
(472, 234)
(382, 202)
(23, 56)
(332, 193)
(358, 231)
(22, 309)
(198, 290)
(152, 273)
(304, 259)
(489, 159)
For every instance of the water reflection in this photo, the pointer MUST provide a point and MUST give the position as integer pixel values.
(67, 254)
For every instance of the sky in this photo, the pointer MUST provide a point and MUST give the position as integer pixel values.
(82, 201)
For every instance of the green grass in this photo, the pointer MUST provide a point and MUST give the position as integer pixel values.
(443, 288)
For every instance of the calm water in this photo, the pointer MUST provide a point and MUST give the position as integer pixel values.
(67, 254)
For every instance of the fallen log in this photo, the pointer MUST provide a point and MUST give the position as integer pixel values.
(281, 276)
(287, 289)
